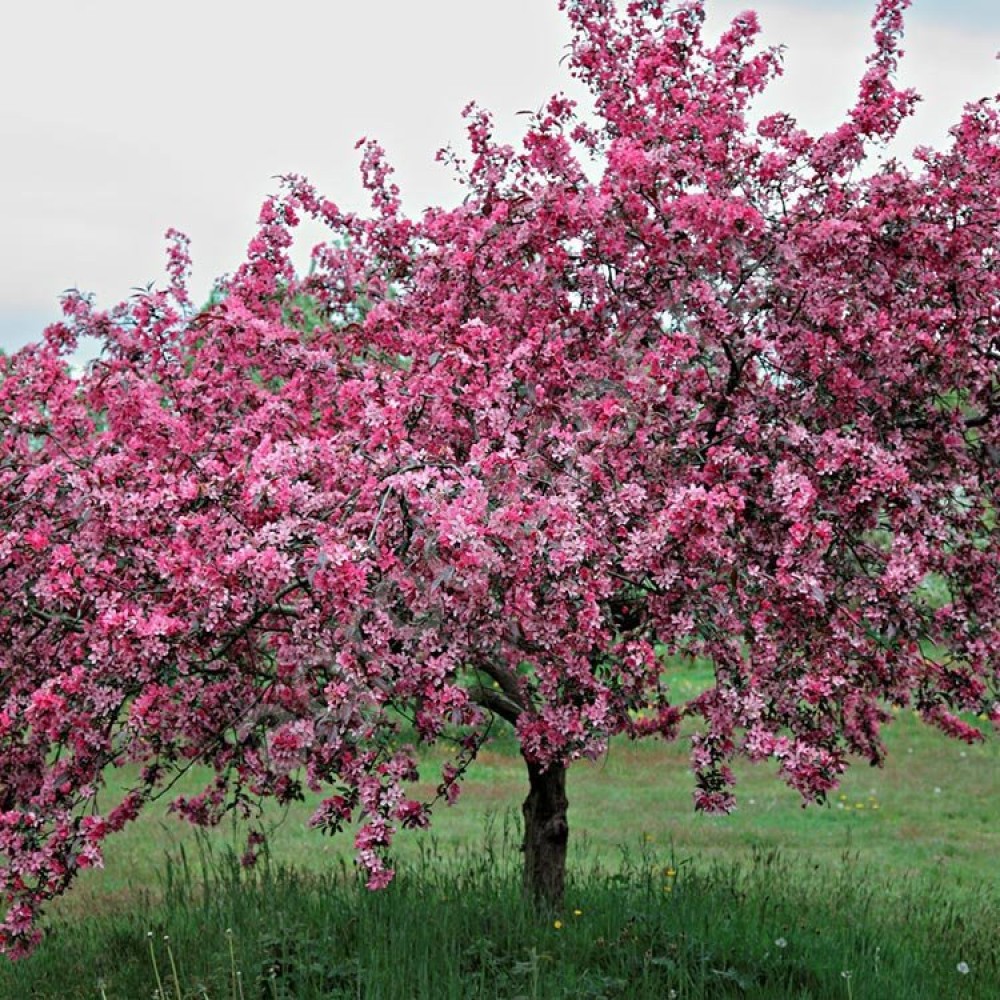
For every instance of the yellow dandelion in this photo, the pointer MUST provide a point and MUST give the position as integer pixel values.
(578, 913)
(557, 924)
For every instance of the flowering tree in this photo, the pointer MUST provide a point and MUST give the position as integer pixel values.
(665, 385)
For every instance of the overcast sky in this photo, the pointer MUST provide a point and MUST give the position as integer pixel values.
(115, 124)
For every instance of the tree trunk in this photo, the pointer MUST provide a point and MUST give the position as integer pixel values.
(546, 833)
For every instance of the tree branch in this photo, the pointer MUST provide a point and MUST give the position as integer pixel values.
(496, 702)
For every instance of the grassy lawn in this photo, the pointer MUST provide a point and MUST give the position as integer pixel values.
(759, 925)
(933, 809)
(892, 881)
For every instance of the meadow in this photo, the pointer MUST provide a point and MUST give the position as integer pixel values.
(889, 890)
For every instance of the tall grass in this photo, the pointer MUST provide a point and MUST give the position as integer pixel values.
(652, 925)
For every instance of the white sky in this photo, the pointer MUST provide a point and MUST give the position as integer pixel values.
(115, 124)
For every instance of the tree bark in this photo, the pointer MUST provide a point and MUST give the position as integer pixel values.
(546, 834)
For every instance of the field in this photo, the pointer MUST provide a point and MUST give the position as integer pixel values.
(890, 890)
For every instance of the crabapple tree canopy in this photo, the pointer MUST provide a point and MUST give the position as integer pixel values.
(670, 383)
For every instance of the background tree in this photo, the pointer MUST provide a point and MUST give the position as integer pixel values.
(665, 385)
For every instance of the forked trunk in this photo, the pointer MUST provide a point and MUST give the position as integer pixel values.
(546, 833)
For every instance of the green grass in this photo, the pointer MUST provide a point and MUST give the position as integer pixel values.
(934, 808)
(456, 926)
(893, 881)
